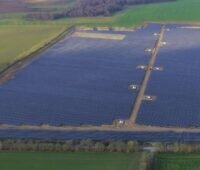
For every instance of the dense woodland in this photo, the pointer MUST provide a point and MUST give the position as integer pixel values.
(93, 8)
(104, 7)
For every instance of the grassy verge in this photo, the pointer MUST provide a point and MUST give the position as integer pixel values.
(177, 162)
(19, 41)
(69, 161)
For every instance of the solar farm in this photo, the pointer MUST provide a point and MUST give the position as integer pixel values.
(115, 83)
(177, 86)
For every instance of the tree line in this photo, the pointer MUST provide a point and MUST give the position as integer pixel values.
(84, 145)
(104, 7)
(91, 8)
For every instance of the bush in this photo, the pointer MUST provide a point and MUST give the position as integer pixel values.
(1, 146)
(132, 146)
(68, 146)
(99, 147)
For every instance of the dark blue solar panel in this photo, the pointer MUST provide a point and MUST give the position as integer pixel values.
(178, 86)
(78, 81)
(140, 136)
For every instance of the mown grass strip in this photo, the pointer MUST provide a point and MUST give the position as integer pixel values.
(69, 161)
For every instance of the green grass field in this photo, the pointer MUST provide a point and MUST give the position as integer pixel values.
(18, 41)
(177, 162)
(179, 11)
(69, 161)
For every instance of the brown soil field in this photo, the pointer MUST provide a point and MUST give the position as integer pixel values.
(12, 6)
(17, 6)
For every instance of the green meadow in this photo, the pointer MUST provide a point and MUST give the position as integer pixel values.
(19, 41)
(69, 161)
(177, 161)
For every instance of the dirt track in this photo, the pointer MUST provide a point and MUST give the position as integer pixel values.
(106, 128)
(147, 75)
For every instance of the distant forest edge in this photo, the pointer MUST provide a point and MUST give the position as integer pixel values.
(90, 8)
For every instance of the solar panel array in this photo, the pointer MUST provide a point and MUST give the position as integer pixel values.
(139, 136)
(177, 87)
(78, 81)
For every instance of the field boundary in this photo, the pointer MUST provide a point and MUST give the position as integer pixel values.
(13, 68)
(103, 128)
